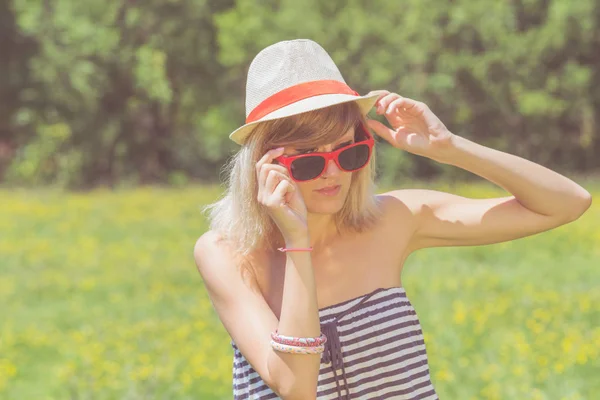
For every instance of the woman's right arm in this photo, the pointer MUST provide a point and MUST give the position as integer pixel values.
(249, 320)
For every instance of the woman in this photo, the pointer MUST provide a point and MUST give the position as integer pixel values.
(303, 261)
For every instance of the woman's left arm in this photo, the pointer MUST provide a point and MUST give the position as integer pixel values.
(542, 199)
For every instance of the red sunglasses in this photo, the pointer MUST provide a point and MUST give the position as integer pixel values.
(306, 167)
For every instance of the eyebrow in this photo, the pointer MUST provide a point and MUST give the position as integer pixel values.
(346, 140)
(337, 145)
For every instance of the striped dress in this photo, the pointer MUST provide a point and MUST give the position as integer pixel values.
(374, 350)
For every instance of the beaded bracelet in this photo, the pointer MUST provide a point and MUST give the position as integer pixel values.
(296, 349)
(298, 341)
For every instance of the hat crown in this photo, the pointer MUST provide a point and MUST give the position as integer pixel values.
(285, 64)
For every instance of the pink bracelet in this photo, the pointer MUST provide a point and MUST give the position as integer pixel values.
(298, 341)
(284, 249)
(297, 349)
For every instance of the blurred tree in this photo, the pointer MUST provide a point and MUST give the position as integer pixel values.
(130, 82)
(148, 91)
(15, 52)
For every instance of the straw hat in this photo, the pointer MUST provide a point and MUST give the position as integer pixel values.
(292, 77)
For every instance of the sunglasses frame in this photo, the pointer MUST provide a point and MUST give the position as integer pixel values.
(331, 155)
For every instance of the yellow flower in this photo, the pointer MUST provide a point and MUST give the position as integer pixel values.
(459, 312)
(444, 375)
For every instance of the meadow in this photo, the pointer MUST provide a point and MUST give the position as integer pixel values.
(100, 299)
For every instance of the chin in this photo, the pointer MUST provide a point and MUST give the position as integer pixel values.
(320, 205)
(328, 209)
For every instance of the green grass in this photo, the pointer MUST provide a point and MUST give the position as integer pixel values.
(101, 300)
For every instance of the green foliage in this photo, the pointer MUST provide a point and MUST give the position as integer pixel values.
(42, 160)
(149, 88)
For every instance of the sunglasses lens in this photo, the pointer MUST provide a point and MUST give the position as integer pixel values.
(354, 158)
(307, 168)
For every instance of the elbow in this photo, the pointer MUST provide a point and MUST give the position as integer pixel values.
(579, 207)
(298, 394)
(296, 390)
(294, 381)
(572, 210)
(587, 200)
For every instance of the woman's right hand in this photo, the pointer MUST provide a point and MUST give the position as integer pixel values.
(281, 197)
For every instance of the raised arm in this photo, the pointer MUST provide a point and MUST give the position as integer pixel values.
(540, 199)
(445, 219)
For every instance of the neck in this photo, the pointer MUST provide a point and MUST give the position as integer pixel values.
(321, 229)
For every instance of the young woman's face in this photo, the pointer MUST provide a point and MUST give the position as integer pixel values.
(327, 193)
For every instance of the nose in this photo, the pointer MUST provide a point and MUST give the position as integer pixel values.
(331, 169)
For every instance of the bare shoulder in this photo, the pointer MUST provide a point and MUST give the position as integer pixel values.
(215, 258)
(209, 243)
(415, 203)
(413, 200)
(400, 205)
(412, 209)
(398, 223)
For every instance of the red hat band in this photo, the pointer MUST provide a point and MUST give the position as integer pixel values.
(296, 93)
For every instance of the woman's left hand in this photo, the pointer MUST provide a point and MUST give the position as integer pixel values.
(416, 128)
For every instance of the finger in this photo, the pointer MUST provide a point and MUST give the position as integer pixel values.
(273, 179)
(410, 106)
(383, 103)
(393, 110)
(266, 162)
(380, 93)
(268, 157)
(417, 109)
(382, 130)
(396, 137)
(264, 173)
(279, 194)
(279, 168)
(394, 113)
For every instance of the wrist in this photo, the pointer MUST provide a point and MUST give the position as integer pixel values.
(452, 151)
(297, 241)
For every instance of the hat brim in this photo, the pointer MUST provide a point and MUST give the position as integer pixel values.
(365, 104)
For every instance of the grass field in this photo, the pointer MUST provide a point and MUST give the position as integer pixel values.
(100, 299)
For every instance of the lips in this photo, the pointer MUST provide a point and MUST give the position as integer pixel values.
(329, 190)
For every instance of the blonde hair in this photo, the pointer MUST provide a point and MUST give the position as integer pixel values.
(240, 219)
